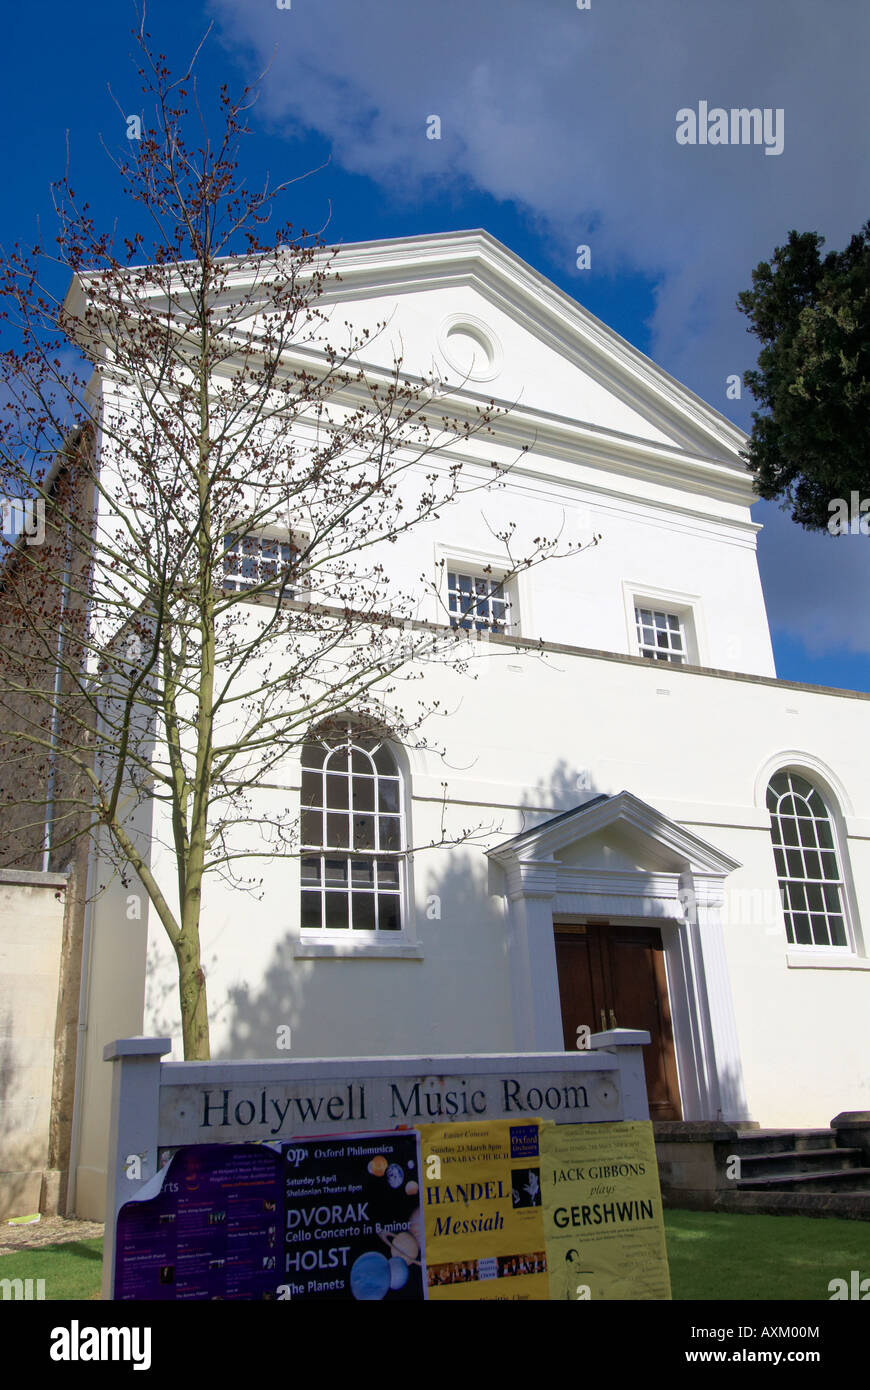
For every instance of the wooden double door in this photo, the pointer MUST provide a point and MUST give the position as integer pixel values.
(612, 976)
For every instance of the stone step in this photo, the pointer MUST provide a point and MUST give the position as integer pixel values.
(762, 1141)
(761, 1165)
(826, 1180)
(849, 1206)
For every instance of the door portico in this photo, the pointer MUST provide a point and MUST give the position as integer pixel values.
(616, 858)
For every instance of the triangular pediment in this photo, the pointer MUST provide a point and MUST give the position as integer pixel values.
(551, 355)
(619, 832)
(464, 309)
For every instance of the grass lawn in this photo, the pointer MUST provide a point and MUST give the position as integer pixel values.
(712, 1255)
(72, 1270)
(716, 1255)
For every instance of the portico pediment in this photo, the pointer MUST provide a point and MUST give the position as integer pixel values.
(614, 836)
(616, 859)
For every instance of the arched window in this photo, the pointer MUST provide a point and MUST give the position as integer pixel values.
(810, 879)
(351, 832)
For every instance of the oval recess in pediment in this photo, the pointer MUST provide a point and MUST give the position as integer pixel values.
(470, 348)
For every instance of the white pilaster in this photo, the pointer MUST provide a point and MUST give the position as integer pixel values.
(532, 955)
(707, 899)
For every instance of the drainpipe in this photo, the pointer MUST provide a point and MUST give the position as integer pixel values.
(87, 934)
(81, 1032)
(55, 713)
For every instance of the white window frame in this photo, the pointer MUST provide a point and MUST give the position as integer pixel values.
(675, 652)
(283, 535)
(815, 949)
(356, 941)
(839, 805)
(481, 615)
(685, 607)
(476, 564)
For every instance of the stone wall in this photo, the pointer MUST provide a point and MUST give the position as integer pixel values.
(34, 950)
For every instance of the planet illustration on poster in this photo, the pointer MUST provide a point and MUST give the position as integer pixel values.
(402, 1244)
(406, 1245)
(415, 1225)
(398, 1272)
(371, 1276)
(378, 1166)
(395, 1176)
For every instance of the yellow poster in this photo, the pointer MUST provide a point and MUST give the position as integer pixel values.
(482, 1209)
(605, 1234)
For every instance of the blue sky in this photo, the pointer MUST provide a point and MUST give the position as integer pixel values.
(558, 128)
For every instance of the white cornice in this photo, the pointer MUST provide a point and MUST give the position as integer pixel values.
(559, 438)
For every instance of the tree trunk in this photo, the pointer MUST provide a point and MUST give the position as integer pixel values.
(194, 1005)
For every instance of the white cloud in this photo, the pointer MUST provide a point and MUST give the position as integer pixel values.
(572, 114)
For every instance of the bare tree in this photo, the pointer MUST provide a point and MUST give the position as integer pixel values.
(217, 495)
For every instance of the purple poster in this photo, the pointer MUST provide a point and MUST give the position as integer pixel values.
(308, 1219)
(212, 1231)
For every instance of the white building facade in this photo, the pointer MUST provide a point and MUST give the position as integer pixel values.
(663, 835)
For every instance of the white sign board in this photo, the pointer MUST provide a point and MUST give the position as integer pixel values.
(203, 1114)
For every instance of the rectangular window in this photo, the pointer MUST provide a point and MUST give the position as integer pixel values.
(250, 561)
(476, 603)
(361, 894)
(660, 635)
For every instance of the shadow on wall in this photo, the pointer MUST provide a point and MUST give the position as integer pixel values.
(456, 998)
(730, 1084)
(162, 1004)
(567, 788)
(23, 1149)
(259, 1018)
(386, 1006)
